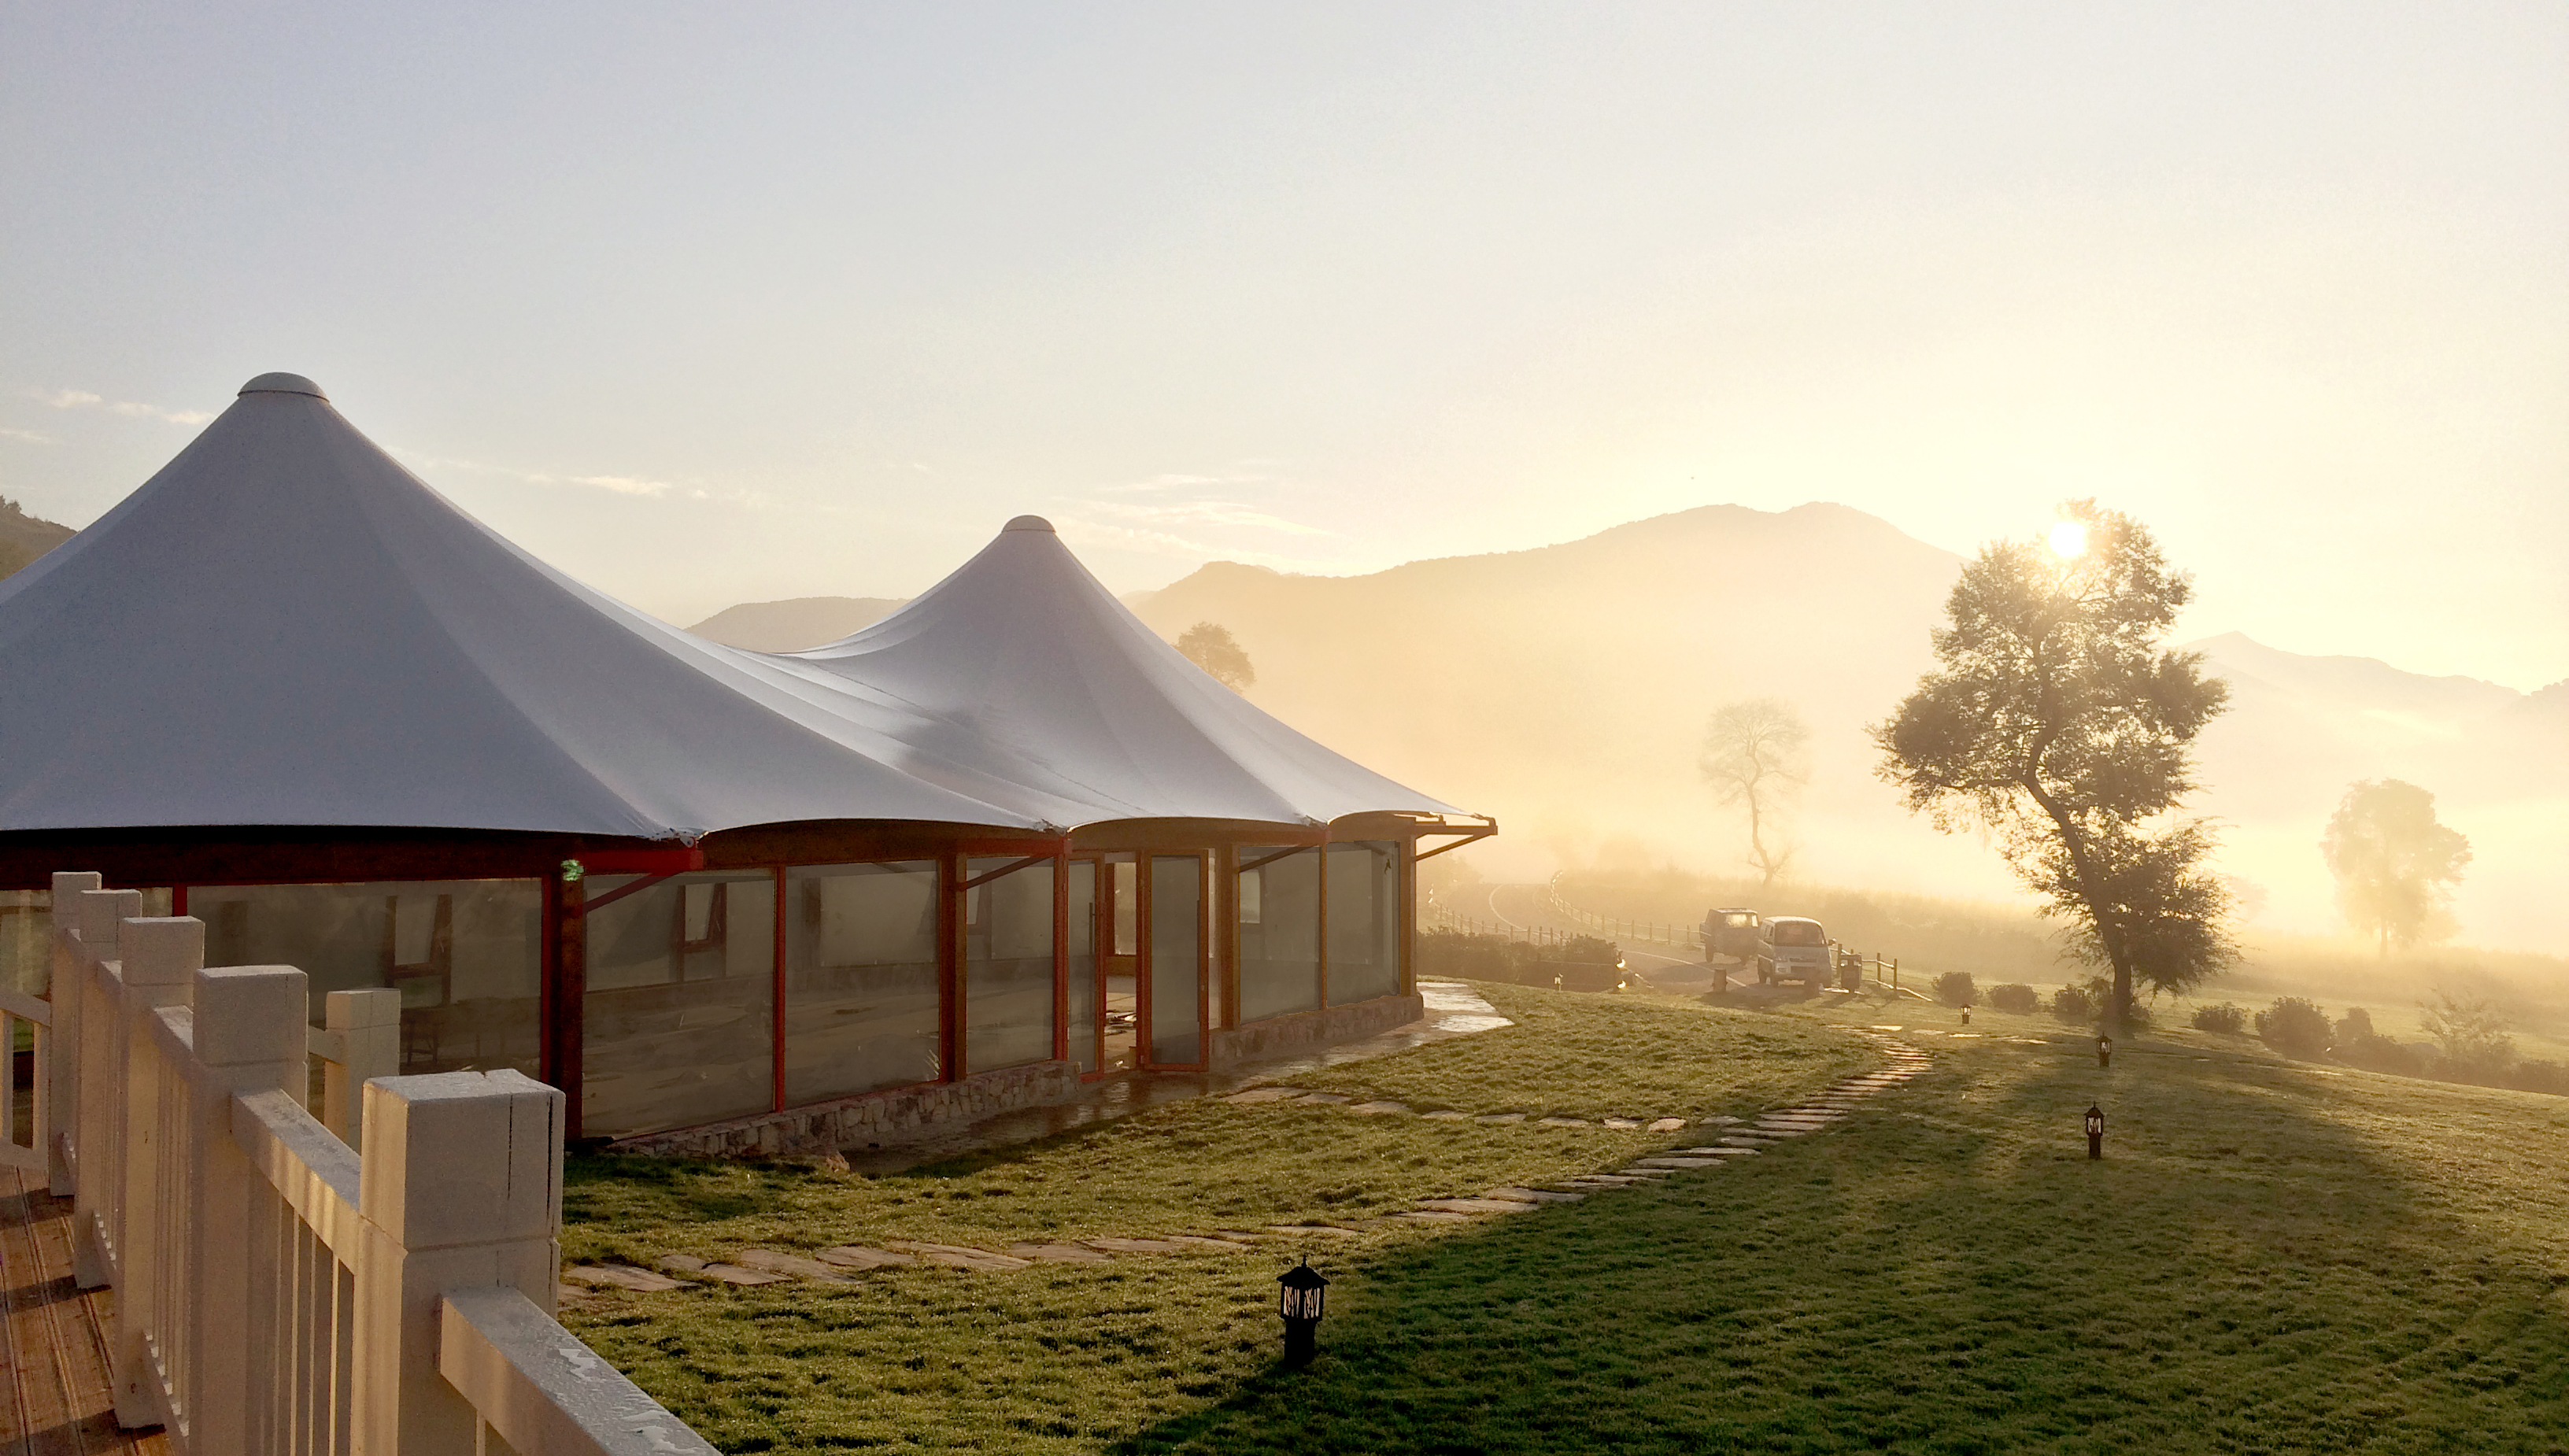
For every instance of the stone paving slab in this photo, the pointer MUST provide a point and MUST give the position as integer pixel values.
(1310, 1228)
(1641, 1171)
(1478, 1205)
(1607, 1180)
(775, 1261)
(1714, 1153)
(1501, 1117)
(956, 1256)
(1057, 1254)
(1535, 1195)
(1560, 1122)
(851, 1256)
(1446, 1114)
(1265, 1094)
(1623, 1124)
(729, 1273)
(1238, 1236)
(1198, 1241)
(1374, 1109)
(1433, 1215)
(1679, 1163)
(622, 1277)
(1665, 1125)
(1323, 1099)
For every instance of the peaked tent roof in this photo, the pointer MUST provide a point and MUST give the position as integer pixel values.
(283, 626)
(1023, 666)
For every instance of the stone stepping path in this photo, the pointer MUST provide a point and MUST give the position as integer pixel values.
(832, 1267)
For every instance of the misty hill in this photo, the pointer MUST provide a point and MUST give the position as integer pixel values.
(23, 537)
(1564, 689)
(795, 624)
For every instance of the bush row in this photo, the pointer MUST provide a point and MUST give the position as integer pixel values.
(1450, 953)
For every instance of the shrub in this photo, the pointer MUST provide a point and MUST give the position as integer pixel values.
(2353, 1027)
(2225, 1018)
(1955, 989)
(2376, 1053)
(2295, 1027)
(2548, 1077)
(2072, 1003)
(1445, 952)
(2020, 1000)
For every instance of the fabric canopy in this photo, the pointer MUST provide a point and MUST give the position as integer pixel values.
(1023, 668)
(284, 627)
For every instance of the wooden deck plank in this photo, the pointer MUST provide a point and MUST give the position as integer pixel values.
(56, 1338)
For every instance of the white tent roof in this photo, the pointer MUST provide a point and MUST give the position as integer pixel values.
(1023, 667)
(284, 627)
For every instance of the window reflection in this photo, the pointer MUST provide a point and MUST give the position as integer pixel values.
(861, 983)
(678, 1026)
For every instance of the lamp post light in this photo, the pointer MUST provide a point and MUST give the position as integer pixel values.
(2095, 1132)
(2104, 1051)
(1300, 1303)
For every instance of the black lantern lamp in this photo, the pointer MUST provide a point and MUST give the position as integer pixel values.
(2095, 1132)
(2104, 1051)
(1300, 1303)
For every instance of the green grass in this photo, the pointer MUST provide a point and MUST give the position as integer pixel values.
(2272, 1257)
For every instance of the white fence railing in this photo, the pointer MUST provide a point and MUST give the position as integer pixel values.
(276, 1292)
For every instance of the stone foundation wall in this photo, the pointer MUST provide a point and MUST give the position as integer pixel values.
(1283, 1035)
(900, 1115)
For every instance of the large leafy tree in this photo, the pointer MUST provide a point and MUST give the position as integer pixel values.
(2059, 726)
(1211, 647)
(1755, 757)
(2395, 864)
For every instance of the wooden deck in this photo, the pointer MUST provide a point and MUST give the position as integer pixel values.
(55, 1402)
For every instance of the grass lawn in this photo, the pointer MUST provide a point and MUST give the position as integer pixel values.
(2271, 1257)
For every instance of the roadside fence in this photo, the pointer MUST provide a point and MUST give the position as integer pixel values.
(276, 1291)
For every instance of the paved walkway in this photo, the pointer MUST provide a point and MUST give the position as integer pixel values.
(1733, 1140)
(57, 1401)
(1453, 1009)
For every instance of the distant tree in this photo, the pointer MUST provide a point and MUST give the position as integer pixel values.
(2395, 864)
(1209, 646)
(2295, 1027)
(2470, 1034)
(1754, 757)
(2225, 1018)
(2019, 999)
(1955, 989)
(2058, 724)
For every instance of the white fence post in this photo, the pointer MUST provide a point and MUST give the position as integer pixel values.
(100, 1054)
(61, 1058)
(248, 1038)
(157, 962)
(461, 1187)
(358, 1041)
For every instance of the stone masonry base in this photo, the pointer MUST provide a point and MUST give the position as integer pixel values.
(1283, 1035)
(900, 1115)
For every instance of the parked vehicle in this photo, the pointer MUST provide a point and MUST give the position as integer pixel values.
(1791, 949)
(1730, 934)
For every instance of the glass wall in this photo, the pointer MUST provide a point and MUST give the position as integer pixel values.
(1007, 966)
(1084, 965)
(861, 982)
(679, 1023)
(466, 954)
(1279, 933)
(1364, 921)
(1177, 958)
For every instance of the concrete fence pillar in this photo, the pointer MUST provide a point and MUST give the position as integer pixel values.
(62, 1040)
(461, 1188)
(249, 1031)
(363, 1030)
(98, 918)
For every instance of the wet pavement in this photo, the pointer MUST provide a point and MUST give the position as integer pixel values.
(1453, 1009)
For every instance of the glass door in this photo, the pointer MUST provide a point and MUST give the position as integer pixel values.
(1174, 961)
(1119, 968)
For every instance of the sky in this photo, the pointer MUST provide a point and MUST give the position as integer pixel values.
(710, 304)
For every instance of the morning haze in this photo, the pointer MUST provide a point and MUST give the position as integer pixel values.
(1740, 727)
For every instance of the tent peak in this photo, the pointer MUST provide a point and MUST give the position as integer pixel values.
(1028, 523)
(284, 384)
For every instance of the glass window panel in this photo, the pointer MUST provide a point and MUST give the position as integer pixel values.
(1279, 950)
(678, 1026)
(860, 978)
(1084, 965)
(1127, 907)
(1364, 896)
(1008, 966)
(1177, 967)
(466, 954)
(27, 941)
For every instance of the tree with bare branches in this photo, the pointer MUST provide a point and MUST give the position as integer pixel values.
(1755, 758)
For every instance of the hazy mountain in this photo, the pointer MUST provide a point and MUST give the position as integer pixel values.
(23, 537)
(795, 624)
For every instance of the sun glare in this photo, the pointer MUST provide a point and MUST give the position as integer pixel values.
(2068, 541)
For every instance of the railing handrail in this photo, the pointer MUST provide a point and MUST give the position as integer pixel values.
(277, 1289)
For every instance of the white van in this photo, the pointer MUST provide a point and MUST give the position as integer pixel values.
(1792, 948)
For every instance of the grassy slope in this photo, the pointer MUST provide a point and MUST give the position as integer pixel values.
(2272, 1257)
